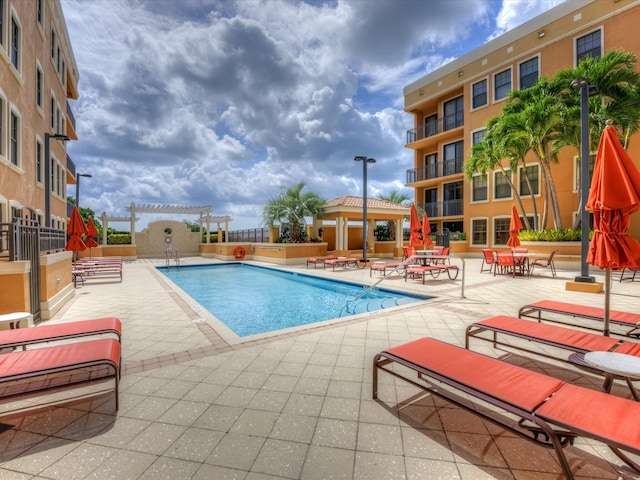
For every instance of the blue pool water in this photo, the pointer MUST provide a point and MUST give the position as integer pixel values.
(252, 300)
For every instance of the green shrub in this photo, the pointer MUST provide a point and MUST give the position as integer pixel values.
(119, 239)
(552, 235)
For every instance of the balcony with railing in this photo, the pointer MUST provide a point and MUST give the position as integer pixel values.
(447, 208)
(448, 122)
(435, 170)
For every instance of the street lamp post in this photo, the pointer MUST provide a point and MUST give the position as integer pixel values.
(47, 174)
(365, 161)
(87, 175)
(584, 85)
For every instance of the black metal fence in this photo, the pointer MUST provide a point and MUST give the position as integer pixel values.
(251, 235)
(443, 236)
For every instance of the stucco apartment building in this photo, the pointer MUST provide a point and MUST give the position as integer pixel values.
(451, 105)
(38, 75)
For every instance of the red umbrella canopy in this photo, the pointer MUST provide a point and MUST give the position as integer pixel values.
(75, 230)
(613, 197)
(426, 230)
(92, 231)
(415, 228)
(515, 225)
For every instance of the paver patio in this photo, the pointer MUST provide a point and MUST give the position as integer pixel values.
(198, 405)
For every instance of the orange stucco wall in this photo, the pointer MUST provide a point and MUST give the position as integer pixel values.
(14, 294)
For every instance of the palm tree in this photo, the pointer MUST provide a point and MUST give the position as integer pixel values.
(394, 197)
(290, 208)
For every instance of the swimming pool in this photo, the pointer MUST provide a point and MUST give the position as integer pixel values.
(251, 299)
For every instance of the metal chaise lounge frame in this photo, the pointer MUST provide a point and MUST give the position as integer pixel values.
(21, 337)
(535, 311)
(575, 341)
(60, 366)
(315, 261)
(544, 405)
(344, 262)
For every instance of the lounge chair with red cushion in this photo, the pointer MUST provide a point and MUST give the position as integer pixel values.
(536, 310)
(383, 267)
(44, 369)
(343, 262)
(543, 404)
(315, 261)
(21, 337)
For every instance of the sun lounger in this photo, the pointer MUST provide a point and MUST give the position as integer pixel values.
(315, 261)
(43, 369)
(535, 310)
(88, 270)
(21, 337)
(434, 270)
(544, 405)
(383, 267)
(344, 262)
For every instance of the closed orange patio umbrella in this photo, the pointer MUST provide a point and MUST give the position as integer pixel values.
(614, 195)
(426, 230)
(75, 230)
(515, 225)
(415, 228)
(92, 232)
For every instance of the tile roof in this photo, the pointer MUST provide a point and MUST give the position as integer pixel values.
(350, 201)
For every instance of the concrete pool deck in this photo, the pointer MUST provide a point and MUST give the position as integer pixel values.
(199, 405)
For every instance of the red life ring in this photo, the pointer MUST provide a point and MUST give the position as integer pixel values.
(238, 252)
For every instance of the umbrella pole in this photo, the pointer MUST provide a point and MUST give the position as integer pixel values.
(607, 299)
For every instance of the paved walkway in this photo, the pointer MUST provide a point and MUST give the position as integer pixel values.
(197, 404)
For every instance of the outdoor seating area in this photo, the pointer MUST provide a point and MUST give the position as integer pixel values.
(97, 267)
(629, 274)
(315, 261)
(550, 411)
(194, 404)
(43, 369)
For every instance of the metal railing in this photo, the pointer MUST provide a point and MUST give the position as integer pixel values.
(435, 170)
(435, 127)
(258, 235)
(447, 208)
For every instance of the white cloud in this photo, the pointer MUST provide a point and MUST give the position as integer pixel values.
(223, 103)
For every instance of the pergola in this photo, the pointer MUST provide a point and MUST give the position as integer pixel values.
(203, 212)
(348, 208)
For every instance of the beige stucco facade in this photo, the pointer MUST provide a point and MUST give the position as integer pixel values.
(449, 114)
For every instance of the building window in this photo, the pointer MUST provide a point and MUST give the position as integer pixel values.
(479, 231)
(53, 112)
(39, 12)
(502, 184)
(53, 44)
(39, 164)
(2, 22)
(431, 165)
(52, 173)
(479, 188)
(430, 125)
(14, 138)
(39, 86)
(479, 94)
(532, 173)
(453, 158)
(2, 128)
(502, 84)
(529, 73)
(589, 46)
(15, 44)
(452, 204)
(431, 202)
(478, 136)
(453, 113)
(501, 231)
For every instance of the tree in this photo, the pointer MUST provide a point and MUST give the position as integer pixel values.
(290, 208)
(394, 197)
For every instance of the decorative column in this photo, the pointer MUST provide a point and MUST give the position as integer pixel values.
(105, 225)
(133, 224)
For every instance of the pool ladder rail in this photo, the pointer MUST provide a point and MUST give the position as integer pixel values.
(172, 253)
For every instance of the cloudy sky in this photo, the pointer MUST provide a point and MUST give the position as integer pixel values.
(227, 102)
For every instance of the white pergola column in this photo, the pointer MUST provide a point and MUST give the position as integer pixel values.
(133, 224)
(105, 225)
(399, 228)
(226, 229)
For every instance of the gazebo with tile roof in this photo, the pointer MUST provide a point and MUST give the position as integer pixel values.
(348, 208)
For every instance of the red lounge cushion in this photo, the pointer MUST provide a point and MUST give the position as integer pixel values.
(71, 329)
(586, 311)
(551, 333)
(615, 419)
(17, 364)
(514, 385)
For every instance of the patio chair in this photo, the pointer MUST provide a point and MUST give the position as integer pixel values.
(488, 259)
(631, 274)
(505, 264)
(408, 252)
(552, 412)
(544, 263)
(443, 253)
